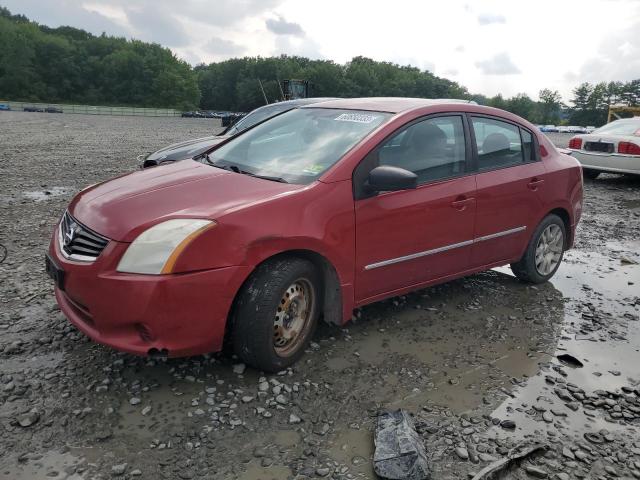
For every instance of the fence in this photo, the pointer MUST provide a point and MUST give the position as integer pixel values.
(96, 110)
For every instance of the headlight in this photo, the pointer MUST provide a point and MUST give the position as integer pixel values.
(156, 250)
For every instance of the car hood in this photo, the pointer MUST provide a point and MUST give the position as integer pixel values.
(122, 208)
(186, 149)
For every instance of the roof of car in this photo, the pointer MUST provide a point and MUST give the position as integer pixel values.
(302, 101)
(388, 104)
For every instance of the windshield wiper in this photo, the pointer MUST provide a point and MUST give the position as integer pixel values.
(235, 168)
(266, 177)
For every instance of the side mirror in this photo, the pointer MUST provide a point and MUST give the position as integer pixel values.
(386, 178)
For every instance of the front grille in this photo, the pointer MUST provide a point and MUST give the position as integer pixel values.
(599, 147)
(78, 242)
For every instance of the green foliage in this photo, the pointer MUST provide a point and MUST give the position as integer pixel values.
(65, 64)
(235, 84)
(591, 102)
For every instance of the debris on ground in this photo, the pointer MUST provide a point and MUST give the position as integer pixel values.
(500, 468)
(399, 451)
(570, 361)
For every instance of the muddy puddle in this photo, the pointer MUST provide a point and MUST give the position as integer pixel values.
(51, 465)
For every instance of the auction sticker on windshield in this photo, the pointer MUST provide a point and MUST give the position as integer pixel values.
(356, 117)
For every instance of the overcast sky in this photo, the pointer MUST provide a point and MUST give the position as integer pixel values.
(489, 46)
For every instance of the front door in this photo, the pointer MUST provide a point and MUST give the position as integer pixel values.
(408, 237)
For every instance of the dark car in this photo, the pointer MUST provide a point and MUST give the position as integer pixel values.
(194, 147)
(53, 110)
(32, 109)
(308, 215)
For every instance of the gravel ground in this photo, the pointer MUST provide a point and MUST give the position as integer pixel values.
(474, 360)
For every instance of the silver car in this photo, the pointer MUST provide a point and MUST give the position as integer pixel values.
(613, 148)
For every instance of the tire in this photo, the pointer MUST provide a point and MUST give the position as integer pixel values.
(590, 174)
(530, 271)
(260, 333)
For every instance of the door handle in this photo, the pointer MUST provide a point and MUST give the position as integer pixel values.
(535, 183)
(461, 202)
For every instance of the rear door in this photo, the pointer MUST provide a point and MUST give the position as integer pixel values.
(510, 182)
(412, 236)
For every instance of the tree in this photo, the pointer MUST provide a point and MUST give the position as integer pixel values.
(549, 106)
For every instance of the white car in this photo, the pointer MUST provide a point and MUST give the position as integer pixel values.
(613, 148)
(589, 129)
(563, 129)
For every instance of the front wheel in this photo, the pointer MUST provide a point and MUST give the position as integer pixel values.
(276, 314)
(544, 252)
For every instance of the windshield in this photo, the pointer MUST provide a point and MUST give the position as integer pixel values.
(257, 116)
(621, 127)
(299, 145)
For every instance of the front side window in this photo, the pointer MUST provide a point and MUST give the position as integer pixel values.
(297, 146)
(499, 144)
(433, 149)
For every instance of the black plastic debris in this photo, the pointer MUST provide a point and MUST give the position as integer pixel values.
(501, 468)
(570, 361)
(399, 451)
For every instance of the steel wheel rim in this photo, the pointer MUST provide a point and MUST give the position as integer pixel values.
(549, 249)
(293, 317)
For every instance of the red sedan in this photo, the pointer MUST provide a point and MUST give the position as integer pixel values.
(311, 214)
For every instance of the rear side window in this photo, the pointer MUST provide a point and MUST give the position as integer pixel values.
(499, 144)
(527, 145)
(433, 149)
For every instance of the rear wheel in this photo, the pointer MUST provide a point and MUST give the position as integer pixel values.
(276, 314)
(591, 174)
(544, 252)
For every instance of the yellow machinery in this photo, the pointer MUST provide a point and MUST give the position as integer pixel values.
(614, 112)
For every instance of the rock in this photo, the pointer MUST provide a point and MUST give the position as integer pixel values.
(134, 401)
(566, 452)
(239, 368)
(462, 452)
(247, 399)
(281, 399)
(119, 469)
(323, 471)
(294, 419)
(547, 417)
(535, 471)
(259, 452)
(508, 424)
(136, 473)
(610, 470)
(28, 419)
(594, 437)
(146, 410)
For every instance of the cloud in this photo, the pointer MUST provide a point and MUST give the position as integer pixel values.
(221, 47)
(499, 64)
(617, 57)
(158, 25)
(280, 26)
(489, 18)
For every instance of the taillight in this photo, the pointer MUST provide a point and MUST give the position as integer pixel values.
(628, 148)
(575, 143)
